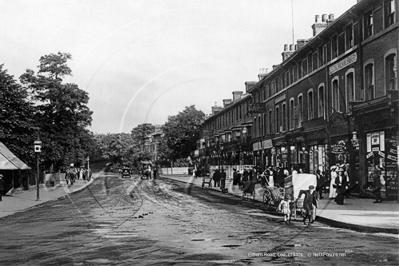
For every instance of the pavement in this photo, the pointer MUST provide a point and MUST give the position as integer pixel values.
(359, 214)
(22, 200)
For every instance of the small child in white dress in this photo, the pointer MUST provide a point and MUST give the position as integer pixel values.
(285, 208)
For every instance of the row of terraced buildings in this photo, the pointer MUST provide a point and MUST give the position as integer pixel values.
(332, 100)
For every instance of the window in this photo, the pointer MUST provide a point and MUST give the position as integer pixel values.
(320, 56)
(310, 67)
(334, 46)
(277, 120)
(389, 12)
(260, 126)
(350, 90)
(304, 67)
(391, 72)
(283, 119)
(310, 105)
(254, 131)
(328, 54)
(335, 94)
(369, 81)
(295, 74)
(264, 125)
(300, 110)
(341, 44)
(349, 36)
(314, 61)
(321, 102)
(270, 122)
(368, 24)
(292, 114)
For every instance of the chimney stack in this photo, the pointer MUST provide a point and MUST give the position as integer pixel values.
(226, 102)
(330, 19)
(237, 95)
(262, 73)
(287, 53)
(319, 26)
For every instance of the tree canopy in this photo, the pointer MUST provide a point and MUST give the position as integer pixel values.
(181, 131)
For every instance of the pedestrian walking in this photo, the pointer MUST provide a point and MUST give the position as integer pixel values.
(378, 182)
(223, 181)
(1, 187)
(341, 185)
(309, 204)
(320, 184)
(216, 178)
(333, 174)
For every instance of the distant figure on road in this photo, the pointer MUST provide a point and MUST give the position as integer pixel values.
(1, 187)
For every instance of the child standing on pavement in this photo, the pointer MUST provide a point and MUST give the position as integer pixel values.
(285, 208)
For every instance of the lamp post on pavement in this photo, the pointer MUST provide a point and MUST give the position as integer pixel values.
(88, 167)
(38, 149)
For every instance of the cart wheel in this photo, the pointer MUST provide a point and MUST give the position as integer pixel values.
(267, 199)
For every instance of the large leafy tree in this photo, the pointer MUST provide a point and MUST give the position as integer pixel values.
(16, 119)
(181, 132)
(61, 113)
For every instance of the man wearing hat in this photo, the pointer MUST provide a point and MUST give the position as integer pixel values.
(1, 187)
(309, 204)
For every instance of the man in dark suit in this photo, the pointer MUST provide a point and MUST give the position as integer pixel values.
(309, 204)
(320, 183)
(1, 187)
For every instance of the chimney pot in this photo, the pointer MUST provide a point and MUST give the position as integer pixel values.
(331, 16)
(285, 47)
(317, 18)
(324, 18)
(291, 47)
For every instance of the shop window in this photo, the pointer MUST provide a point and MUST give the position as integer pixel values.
(391, 72)
(310, 105)
(368, 24)
(369, 81)
(321, 102)
(389, 12)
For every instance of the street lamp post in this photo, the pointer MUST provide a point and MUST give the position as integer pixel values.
(38, 149)
(88, 167)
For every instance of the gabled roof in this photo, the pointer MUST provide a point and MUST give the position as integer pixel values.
(8, 161)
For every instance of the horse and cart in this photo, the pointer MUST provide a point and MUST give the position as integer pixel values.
(145, 171)
(293, 184)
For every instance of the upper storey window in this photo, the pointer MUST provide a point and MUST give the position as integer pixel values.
(349, 36)
(389, 12)
(368, 24)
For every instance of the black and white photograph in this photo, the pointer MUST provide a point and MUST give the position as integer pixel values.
(199, 132)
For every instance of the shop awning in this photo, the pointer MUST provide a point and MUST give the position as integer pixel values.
(8, 161)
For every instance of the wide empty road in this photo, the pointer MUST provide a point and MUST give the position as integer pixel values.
(119, 221)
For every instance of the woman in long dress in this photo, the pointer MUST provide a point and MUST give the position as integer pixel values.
(333, 191)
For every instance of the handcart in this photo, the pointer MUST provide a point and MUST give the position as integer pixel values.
(248, 190)
(293, 184)
(272, 196)
(145, 172)
(206, 182)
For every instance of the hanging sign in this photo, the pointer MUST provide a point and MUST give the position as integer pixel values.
(369, 155)
(381, 154)
(376, 149)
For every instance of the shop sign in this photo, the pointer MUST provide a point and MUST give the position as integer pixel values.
(393, 158)
(338, 148)
(376, 148)
(381, 154)
(375, 139)
(343, 63)
(267, 144)
(369, 155)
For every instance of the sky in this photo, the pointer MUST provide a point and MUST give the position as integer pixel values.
(142, 61)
